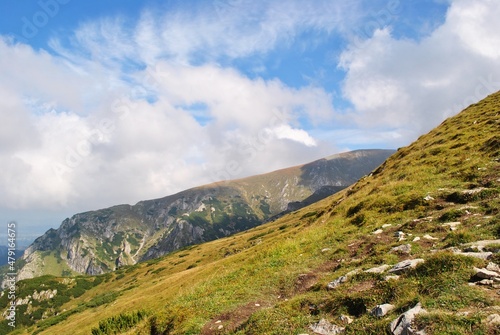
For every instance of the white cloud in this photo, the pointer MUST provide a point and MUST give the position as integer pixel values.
(105, 144)
(297, 135)
(87, 126)
(399, 82)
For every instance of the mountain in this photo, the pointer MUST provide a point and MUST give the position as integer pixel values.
(412, 248)
(99, 241)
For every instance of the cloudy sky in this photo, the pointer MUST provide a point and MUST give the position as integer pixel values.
(110, 102)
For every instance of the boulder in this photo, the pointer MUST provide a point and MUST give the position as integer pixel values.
(346, 319)
(323, 327)
(493, 267)
(402, 249)
(333, 284)
(381, 310)
(480, 255)
(403, 324)
(486, 274)
(406, 265)
(378, 269)
(493, 319)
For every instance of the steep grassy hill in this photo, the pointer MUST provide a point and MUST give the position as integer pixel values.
(435, 201)
(100, 241)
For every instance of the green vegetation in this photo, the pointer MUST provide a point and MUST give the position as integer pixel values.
(273, 279)
(119, 324)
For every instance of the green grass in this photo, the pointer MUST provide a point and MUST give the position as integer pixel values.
(266, 266)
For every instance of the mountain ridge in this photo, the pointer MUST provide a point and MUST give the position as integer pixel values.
(95, 242)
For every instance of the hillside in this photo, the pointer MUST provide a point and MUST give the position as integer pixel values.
(100, 241)
(420, 235)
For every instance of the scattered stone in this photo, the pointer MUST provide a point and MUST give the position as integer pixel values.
(218, 321)
(346, 319)
(387, 225)
(480, 255)
(400, 235)
(493, 319)
(352, 273)
(378, 269)
(325, 249)
(220, 327)
(402, 249)
(429, 237)
(377, 232)
(333, 284)
(428, 198)
(481, 244)
(493, 267)
(426, 219)
(395, 277)
(485, 282)
(416, 239)
(257, 305)
(486, 274)
(452, 225)
(403, 324)
(406, 265)
(323, 327)
(381, 310)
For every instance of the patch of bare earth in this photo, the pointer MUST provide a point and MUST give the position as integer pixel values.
(231, 321)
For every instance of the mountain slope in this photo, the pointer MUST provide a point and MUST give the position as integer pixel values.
(435, 202)
(100, 241)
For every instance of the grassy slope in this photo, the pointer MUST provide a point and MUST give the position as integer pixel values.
(284, 266)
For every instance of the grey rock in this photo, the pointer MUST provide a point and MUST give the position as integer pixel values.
(486, 282)
(403, 324)
(323, 327)
(480, 255)
(486, 274)
(493, 319)
(346, 319)
(378, 269)
(402, 249)
(352, 273)
(333, 284)
(381, 310)
(406, 265)
(481, 244)
(395, 277)
(493, 267)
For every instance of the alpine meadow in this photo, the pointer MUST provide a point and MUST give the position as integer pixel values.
(420, 233)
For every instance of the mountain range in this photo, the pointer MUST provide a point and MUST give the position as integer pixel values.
(100, 241)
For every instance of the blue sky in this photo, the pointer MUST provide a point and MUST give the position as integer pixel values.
(108, 102)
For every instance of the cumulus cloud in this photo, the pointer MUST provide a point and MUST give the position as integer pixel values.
(124, 147)
(400, 82)
(124, 110)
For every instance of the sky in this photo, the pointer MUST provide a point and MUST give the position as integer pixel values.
(111, 102)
